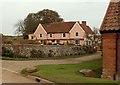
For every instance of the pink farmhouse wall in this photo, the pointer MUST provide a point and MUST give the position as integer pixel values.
(58, 36)
(70, 37)
(40, 30)
(81, 33)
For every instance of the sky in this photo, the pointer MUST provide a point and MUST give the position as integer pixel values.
(12, 11)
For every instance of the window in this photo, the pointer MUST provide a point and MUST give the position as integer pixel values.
(53, 40)
(76, 34)
(32, 37)
(40, 35)
(50, 35)
(42, 41)
(64, 35)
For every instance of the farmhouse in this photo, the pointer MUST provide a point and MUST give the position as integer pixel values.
(63, 33)
(110, 30)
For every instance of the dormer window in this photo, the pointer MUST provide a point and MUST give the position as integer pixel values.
(64, 35)
(40, 35)
(76, 33)
(51, 35)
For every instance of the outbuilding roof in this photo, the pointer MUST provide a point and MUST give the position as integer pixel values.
(111, 21)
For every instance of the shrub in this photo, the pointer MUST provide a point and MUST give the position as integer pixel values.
(89, 49)
(36, 53)
(79, 50)
(7, 52)
(50, 54)
(24, 72)
(7, 42)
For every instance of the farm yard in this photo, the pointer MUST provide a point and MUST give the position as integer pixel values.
(64, 68)
(47, 48)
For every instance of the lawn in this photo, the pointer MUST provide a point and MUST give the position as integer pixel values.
(69, 73)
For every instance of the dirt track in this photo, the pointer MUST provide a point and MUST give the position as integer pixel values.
(11, 69)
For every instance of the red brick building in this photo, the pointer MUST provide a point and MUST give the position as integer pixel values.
(110, 30)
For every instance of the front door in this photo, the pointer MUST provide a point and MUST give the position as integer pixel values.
(77, 42)
(58, 41)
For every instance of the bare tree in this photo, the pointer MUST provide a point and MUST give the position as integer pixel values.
(20, 27)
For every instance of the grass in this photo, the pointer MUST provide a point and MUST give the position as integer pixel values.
(69, 73)
(46, 58)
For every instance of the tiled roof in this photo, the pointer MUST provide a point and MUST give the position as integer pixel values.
(58, 27)
(64, 27)
(87, 29)
(111, 20)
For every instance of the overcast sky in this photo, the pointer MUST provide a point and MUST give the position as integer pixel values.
(70, 10)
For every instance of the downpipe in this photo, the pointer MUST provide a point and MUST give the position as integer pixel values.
(116, 59)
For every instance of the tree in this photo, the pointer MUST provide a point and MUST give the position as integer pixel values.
(20, 27)
(33, 19)
(96, 31)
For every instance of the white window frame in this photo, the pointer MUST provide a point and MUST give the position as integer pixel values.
(40, 35)
(32, 37)
(76, 34)
(63, 35)
(51, 35)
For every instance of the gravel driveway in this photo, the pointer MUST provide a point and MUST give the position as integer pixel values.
(11, 69)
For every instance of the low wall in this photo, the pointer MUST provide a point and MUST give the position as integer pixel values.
(46, 50)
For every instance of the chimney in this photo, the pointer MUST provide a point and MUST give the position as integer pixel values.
(84, 22)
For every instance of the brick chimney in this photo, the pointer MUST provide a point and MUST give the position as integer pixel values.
(84, 22)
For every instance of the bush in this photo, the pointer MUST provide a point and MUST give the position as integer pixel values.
(24, 72)
(7, 52)
(7, 42)
(27, 71)
(79, 50)
(89, 49)
(36, 53)
(50, 54)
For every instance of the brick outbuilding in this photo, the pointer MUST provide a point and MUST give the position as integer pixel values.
(110, 30)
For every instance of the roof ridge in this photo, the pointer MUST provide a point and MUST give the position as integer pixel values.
(61, 22)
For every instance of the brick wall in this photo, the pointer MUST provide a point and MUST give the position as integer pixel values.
(109, 55)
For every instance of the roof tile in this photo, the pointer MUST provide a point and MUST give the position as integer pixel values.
(111, 20)
(58, 27)
(64, 27)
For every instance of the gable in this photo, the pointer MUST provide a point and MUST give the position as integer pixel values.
(40, 29)
(76, 27)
